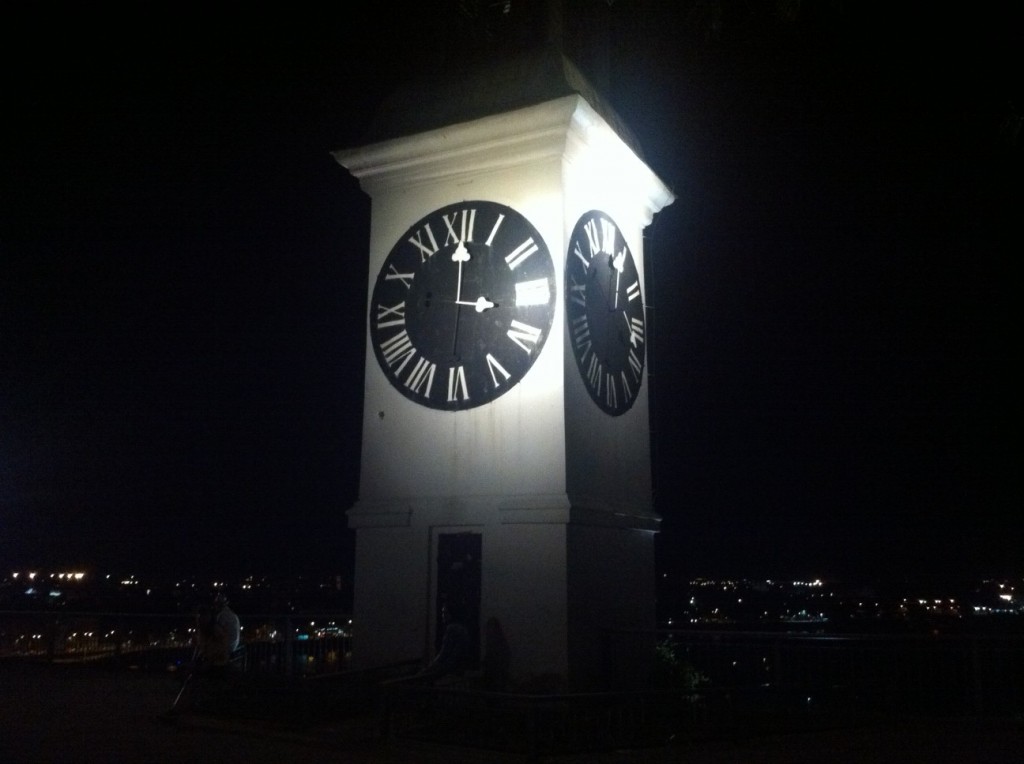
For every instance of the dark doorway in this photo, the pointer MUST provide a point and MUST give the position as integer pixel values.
(458, 586)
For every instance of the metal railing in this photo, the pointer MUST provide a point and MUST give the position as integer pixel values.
(723, 682)
(531, 725)
(285, 644)
(924, 673)
(702, 682)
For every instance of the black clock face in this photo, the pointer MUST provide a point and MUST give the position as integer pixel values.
(463, 305)
(604, 309)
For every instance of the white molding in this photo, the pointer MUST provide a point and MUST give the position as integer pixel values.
(491, 143)
(568, 128)
(594, 149)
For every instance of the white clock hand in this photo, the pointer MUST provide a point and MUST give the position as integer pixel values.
(618, 262)
(460, 256)
(633, 334)
(480, 303)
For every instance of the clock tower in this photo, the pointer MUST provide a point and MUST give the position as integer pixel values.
(506, 445)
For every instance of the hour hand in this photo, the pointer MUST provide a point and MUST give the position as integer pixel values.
(634, 336)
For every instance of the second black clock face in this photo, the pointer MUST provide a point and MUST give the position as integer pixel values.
(604, 309)
(463, 305)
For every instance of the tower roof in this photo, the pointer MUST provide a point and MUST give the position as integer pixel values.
(532, 77)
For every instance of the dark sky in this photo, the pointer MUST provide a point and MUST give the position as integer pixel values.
(834, 292)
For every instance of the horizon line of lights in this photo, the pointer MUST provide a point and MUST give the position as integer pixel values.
(730, 582)
(32, 575)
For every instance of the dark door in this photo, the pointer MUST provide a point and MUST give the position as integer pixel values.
(458, 587)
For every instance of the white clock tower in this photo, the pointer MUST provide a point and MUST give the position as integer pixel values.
(506, 446)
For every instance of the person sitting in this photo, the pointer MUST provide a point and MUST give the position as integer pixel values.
(454, 657)
(218, 659)
(220, 637)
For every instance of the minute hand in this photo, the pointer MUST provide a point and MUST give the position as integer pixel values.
(618, 263)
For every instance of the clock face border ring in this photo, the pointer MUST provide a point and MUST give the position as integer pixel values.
(605, 313)
(462, 305)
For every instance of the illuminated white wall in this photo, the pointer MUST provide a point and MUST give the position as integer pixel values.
(484, 451)
(611, 604)
(489, 451)
(525, 588)
(601, 172)
(394, 599)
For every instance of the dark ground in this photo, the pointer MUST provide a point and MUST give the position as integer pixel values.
(87, 714)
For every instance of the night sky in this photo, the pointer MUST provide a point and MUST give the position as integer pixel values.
(834, 294)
